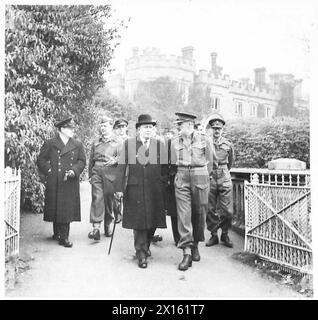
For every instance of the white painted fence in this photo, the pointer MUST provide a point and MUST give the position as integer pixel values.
(12, 189)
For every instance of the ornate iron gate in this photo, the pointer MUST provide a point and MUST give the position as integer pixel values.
(12, 181)
(278, 224)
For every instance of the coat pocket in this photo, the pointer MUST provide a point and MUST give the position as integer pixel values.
(178, 182)
(202, 192)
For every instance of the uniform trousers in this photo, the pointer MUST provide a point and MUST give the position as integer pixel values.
(102, 196)
(142, 241)
(191, 190)
(220, 197)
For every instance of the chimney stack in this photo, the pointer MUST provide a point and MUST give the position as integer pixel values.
(187, 53)
(213, 61)
(260, 77)
(135, 51)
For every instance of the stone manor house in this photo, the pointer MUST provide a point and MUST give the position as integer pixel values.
(233, 98)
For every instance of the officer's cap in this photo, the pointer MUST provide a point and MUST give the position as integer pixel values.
(216, 121)
(120, 123)
(184, 117)
(65, 123)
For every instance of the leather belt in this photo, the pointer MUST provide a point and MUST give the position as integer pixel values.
(191, 167)
(220, 166)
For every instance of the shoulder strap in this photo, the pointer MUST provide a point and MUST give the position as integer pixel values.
(169, 152)
(158, 151)
(126, 151)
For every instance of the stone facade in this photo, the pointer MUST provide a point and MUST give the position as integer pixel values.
(233, 98)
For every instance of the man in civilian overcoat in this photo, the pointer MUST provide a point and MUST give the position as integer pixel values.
(62, 160)
(141, 180)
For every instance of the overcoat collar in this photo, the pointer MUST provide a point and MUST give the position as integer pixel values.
(57, 141)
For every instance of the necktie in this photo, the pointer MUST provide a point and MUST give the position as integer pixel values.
(146, 145)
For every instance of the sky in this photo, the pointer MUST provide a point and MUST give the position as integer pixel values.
(246, 34)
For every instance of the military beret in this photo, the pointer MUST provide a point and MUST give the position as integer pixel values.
(120, 122)
(105, 118)
(67, 122)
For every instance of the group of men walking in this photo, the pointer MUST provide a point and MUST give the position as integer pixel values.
(185, 176)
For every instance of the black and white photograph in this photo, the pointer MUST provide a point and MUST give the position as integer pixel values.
(159, 150)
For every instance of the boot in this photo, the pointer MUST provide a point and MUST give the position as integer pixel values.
(118, 218)
(226, 240)
(195, 254)
(108, 230)
(186, 262)
(212, 241)
(95, 234)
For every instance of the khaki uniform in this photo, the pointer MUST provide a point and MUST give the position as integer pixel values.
(220, 195)
(102, 177)
(193, 157)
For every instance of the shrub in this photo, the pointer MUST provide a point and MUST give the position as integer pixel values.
(256, 142)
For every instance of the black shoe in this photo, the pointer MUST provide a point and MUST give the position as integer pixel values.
(56, 237)
(108, 230)
(142, 263)
(156, 238)
(195, 254)
(212, 241)
(186, 262)
(95, 234)
(66, 243)
(226, 240)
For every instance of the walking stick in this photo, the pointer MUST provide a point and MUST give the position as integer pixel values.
(111, 240)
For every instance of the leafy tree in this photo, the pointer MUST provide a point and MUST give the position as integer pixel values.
(55, 58)
(161, 98)
(199, 100)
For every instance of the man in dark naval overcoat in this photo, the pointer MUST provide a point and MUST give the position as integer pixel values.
(142, 183)
(62, 160)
